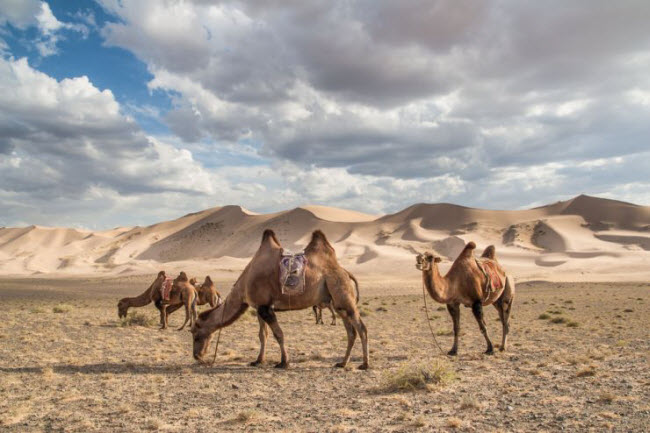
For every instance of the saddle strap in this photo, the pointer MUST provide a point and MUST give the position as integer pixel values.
(488, 281)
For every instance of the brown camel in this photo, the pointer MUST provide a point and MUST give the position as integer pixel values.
(318, 309)
(259, 287)
(152, 294)
(184, 293)
(207, 292)
(473, 283)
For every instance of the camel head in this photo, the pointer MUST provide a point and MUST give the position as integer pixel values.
(201, 337)
(193, 281)
(122, 308)
(182, 276)
(425, 260)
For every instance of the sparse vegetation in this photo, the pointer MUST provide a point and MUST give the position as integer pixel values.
(544, 316)
(62, 308)
(137, 318)
(412, 376)
(558, 320)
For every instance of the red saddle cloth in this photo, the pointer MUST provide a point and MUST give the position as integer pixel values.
(166, 288)
(490, 268)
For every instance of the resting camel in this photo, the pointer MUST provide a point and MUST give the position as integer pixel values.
(152, 294)
(184, 292)
(318, 309)
(207, 292)
(467, 284)
(259, 287)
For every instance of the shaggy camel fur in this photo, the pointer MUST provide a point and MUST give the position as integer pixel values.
(185, 293)
(465, 283)
(259, 287)
(207, 292)
(152, 294)
(318, 309)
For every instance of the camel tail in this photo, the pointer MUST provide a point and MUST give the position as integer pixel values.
(490, 253)
(356, 284)
(468, 251)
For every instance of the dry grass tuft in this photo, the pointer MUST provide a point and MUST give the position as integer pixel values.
(454, 422)
(469, 402)
(558, 320)
(412, 376)
(418, 422)
(62, 308)
(607, 397)
(246, 416)
(572, 324)
(587, 372)
(137, 319)
(544, 316)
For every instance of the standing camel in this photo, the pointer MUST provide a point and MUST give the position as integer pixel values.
(152, 294)
(207, 292)
(473, 283)
(185, 293)
(259, 287)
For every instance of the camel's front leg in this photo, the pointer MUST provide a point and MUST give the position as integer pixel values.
(477, 309)
(264, 333)
(454, 311)
(352, 336)
(163, 316)
(268, 315)
(315, 309)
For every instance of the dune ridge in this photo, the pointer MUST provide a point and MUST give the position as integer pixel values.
(581, 238)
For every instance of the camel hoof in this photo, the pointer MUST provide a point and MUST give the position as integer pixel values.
(282, 364)
(452, 353)
(490, 351)
(255, 363)
(502, 349)
(363, 366)
(340, 364)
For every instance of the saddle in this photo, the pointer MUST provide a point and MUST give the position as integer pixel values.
(492, 279)
(292, 272)
(166, 289)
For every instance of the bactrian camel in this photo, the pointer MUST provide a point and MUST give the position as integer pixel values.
(259, 287)
(465, 283)
(207, 292)
(184, 292)
(153, 294)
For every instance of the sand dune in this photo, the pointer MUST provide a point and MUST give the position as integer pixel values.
(582, 238)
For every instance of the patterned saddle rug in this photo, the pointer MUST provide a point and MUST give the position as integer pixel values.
(166, 288)
(493, 280)
(292, 272)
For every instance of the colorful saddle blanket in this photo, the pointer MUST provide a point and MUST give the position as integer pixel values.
(292, 272)
(166, 288)
(493, 280)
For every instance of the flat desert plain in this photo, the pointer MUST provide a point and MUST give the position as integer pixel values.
(577, 361)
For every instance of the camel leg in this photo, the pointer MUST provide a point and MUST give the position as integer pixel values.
(504, 306)
(264, 333)
(188, 314)
(268, 315)
(477, 309)
(363, 333)
(315, 308)
(352, 336)
(333, 314)
(454, 311)
(163, 316)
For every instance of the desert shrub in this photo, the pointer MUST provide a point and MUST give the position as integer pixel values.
(544, 316)
(37, 310)
(558, 320)
(62, 308)
(137, 319)
(246, 416)
(572, 324)
(412, 376)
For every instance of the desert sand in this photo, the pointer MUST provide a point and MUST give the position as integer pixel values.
(582, 239)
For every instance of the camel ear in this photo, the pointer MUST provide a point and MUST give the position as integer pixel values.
(437, 259)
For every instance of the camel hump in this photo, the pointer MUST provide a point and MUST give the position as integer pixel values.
(269, 234)
(490, 252)
(318, 239)
(182, 276)
(468, 250)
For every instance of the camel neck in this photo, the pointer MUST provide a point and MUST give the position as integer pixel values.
(231, 309)
(436, 284)
(142, 299)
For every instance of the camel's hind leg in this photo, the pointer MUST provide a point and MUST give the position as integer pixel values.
(454, 312)
(331, 308)
(268, 315)
(352, 336)
(264, 333)
(477, 309)
(188, 314)
(504, 306)
(318, 313)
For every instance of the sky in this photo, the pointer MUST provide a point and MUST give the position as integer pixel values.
(129, 112)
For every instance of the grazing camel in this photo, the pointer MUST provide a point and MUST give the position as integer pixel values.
(207, 292)
(259, 286)
(185, 293)
(152, 294)
(318, 309)
(473, 283)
